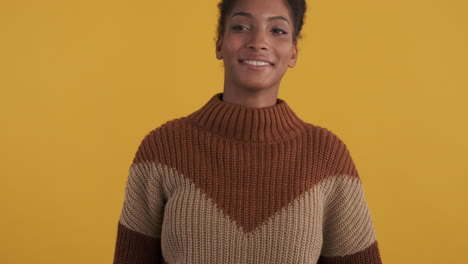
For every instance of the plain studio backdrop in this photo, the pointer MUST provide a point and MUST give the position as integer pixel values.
(82, 82)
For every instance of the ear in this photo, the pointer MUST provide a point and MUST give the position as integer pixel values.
(293, 59)
(219, 49)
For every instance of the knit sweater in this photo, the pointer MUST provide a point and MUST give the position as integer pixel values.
(231, 184)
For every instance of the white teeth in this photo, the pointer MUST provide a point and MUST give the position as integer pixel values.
(256, 62)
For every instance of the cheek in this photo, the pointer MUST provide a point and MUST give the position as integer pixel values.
(232, 44)
(284, 48)
(285, 55)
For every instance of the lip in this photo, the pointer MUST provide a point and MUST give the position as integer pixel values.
(257, 58)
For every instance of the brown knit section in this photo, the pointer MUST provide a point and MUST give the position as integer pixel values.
(266, 124)
(370, 255)
(134, 248)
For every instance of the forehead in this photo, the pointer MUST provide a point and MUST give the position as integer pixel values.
(262, 8)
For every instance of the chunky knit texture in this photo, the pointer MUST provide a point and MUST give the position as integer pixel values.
(230, 184)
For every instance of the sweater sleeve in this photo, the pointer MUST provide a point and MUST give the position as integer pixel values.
(139, 226)
(348, 232)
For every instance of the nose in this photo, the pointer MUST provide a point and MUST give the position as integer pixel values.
(258, 40)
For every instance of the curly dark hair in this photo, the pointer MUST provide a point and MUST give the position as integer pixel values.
(296, 7)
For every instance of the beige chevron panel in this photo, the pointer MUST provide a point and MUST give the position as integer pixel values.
(348, 225)
(195, 230)
(144, 203)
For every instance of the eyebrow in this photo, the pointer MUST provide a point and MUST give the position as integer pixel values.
(250, 16)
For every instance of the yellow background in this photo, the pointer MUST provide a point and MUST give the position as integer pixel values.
(82, 82)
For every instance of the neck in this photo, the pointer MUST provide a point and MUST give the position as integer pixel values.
(251, 97)
(261, 124)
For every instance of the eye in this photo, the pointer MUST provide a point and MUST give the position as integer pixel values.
(279, 31)
(239, 27)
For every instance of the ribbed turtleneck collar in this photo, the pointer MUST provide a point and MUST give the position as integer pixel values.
(265, 124)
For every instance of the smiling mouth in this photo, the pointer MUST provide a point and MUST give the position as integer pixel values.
(256, 62)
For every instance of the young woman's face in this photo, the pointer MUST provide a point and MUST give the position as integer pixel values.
(257, 46)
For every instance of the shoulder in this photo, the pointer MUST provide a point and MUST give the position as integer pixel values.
(329, 149)
(168, 129)
(158, 140)
(323, 135)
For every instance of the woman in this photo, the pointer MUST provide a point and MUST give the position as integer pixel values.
(244, 179)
